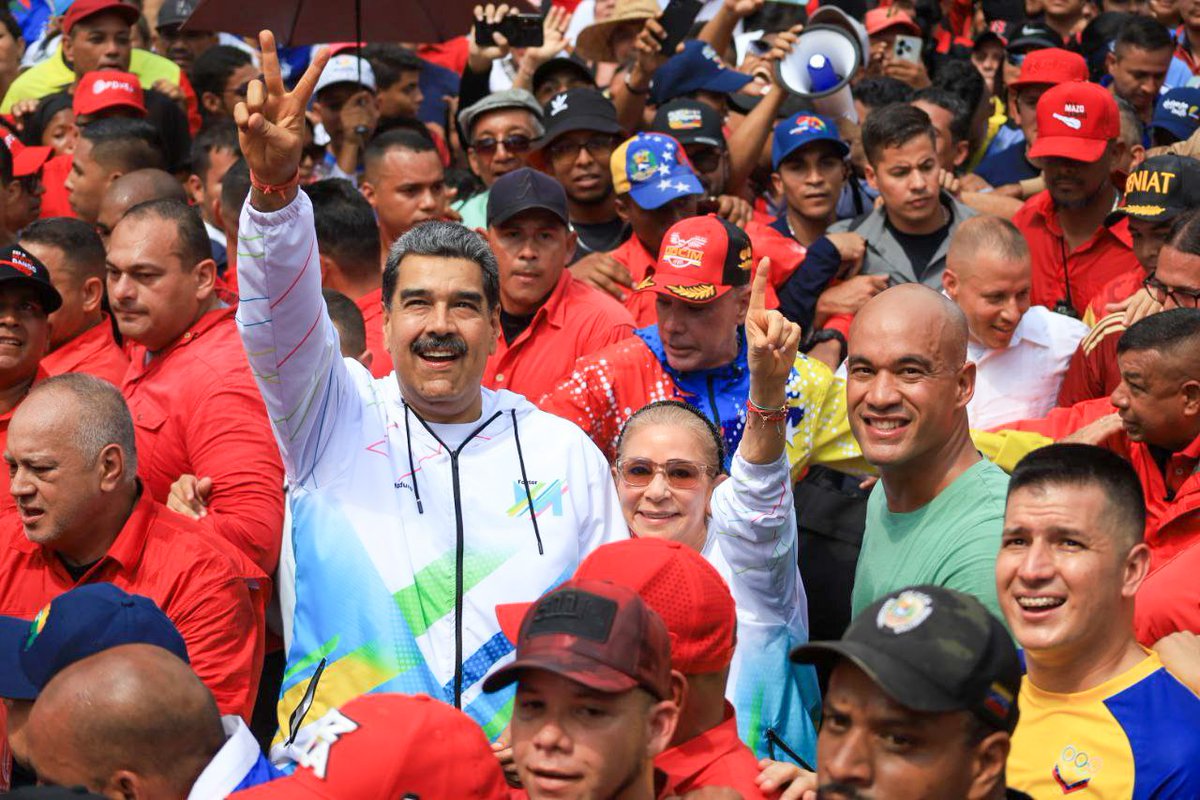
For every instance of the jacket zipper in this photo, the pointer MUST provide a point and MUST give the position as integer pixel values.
(712, 401)
(460, 547)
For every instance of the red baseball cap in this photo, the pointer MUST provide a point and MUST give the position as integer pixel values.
(883, 18)
(1076, 120)
(27, 160)
(107, 89)
(82, 9)
(701, 259)
(595, 633)
(686, 591)
(386, 746)
(1051, 66)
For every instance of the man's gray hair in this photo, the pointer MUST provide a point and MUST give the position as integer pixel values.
(443, 240)
(101, 418)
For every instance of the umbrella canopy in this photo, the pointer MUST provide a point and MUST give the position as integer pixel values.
(298, 22)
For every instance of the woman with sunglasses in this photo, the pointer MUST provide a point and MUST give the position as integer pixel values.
(671, 485)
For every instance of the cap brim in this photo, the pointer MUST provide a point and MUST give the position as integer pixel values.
(1179, 129)
(649, 196)
(51, 299)
(842, 147)
(584, 671)
(726, 80)
(510, 616)
(582, 122)
(1143, 212)
(512, 210)
(1076, 149)
(701, 292)
(14, 685)
(30, 159)
(1031, 42)
(139, 110)
(904, 684)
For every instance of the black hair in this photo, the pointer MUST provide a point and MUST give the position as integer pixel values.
(193, 245)
(443, 240)
(219, 134)
(894, 126)
(1185, 233)
(397, 139)
(960, 113)
(878, 92)
(669, 411)
(81, 245)
(345, 224)
(213, 67)
(39, 119)
(961, 79)
(1087, 465)
(1176, 328)
(6, 164)
(390, 61)
(125, 144)
(235, 185)
(347, 318)
(389, 124)
(1144, 33)
(10, 23)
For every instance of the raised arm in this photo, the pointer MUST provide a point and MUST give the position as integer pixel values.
(290, 342)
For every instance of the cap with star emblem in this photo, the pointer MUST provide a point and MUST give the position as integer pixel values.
(653, 169)
(932, 649)
(701, 259)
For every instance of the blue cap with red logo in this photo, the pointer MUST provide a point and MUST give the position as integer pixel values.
(80, 623)
(801, 129)
(653, 169)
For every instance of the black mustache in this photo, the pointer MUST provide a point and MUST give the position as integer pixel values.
(840, 791)
(437, 341)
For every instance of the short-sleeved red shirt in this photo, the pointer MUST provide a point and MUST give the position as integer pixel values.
(716, 757)
(94, 351)
(371, 306)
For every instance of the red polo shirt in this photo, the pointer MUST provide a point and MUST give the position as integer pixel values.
(7, 504)
(1107, 255)
(371, 306)
(94, 351)
(575, 320)
(637, 259)
(1118, 289)
(716, 757)
(210, 591)
(197, 411)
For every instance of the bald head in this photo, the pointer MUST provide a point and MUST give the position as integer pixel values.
(89, 411)
(134, 188)
(924, 320)
(989, 275)
(982, 241)
(130, 721)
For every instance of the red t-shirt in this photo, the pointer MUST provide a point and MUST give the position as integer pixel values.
(94, 351)
(56, 200)
(371, 306)
(7, 504)
(574, 321)
(716, 757)
(197, 410)
(212, 593)
(1104, 257)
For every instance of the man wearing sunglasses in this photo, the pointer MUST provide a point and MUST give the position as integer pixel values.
(500, 130)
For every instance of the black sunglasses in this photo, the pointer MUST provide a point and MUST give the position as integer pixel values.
(513, 143)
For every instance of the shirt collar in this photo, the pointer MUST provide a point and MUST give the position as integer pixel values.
(1044, 207)
(691, 757)
(229, 766)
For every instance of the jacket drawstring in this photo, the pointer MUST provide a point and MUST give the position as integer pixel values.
(525, 482)
(412, 470)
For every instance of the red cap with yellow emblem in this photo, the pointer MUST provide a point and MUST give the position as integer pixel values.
(701, 259)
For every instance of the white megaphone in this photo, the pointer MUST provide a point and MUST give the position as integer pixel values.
(830, 50)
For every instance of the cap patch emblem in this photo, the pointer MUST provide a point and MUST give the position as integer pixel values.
(681, 252)
(694, 294)
(905, 611)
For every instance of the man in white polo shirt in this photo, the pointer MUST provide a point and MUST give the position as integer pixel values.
(1021, 352)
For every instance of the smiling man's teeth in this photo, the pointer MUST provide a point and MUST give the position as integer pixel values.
(1039, 602)
(886, 425)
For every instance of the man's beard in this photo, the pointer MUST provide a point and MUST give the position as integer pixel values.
(1075, 205)
(592, 201)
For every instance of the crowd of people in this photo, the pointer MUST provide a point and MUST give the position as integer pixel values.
(596, 419)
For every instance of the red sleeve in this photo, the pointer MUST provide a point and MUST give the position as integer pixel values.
(224, 638)
(193, 104)
(841, 323)
(581, 398)
(1062, 422)
(230, 441)
(962, 13)
(1093, 371)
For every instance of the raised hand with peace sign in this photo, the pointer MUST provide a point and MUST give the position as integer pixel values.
(771, 345)
(271, 127)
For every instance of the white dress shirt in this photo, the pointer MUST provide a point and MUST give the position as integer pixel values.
(1021, 381)
(231, 763)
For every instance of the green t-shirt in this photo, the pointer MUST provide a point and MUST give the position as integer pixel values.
(473, 210)
(952, 541)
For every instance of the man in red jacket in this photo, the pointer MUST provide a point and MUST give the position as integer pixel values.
(84, 517)
(206, 445)
(81, 334)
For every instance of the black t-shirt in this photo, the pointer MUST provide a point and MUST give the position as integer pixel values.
(513, 325)
(600, 237)
(77, 572)
(920, 248)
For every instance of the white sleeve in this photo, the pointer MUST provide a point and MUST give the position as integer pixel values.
(291, 344)
(754, 522)
(606, 522)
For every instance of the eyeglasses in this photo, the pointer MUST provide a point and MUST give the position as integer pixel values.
(1183, 298)
(514, 143)
(598, 147)
(680, 474)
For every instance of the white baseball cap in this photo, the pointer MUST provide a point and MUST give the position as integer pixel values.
(346, 69)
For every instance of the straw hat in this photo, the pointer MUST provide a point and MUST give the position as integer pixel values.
(593, 41)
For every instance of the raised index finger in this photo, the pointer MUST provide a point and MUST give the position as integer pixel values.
(308, 81)
(758, 289)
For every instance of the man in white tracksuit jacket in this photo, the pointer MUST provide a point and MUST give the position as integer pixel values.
(406, 533)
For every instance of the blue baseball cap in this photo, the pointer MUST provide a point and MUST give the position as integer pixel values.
(804, 128)
(697, 67)
(653, 169)
(1178, 111)
(80, 623)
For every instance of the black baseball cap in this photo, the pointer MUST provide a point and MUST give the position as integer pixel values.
(1001, 31)
(932, 649)
(1160, 189)
(1033, 36)
(175, 12)
(580, 109)
(523, 189)
(569, 63)
(19, 266)
(690, 122)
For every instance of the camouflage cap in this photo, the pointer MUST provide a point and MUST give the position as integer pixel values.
(932, 649)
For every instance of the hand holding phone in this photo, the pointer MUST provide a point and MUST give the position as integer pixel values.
(520, 30)
(677, 19)
(907, 48)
